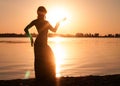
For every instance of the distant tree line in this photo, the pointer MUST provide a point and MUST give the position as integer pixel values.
(15, 35)
(61, 35)
(11, 35)
(96, 35)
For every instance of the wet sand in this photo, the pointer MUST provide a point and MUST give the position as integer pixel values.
(106, 80)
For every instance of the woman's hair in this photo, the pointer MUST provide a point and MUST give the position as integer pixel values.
(42, 9)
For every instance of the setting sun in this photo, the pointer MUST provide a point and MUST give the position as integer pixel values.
(58, 14)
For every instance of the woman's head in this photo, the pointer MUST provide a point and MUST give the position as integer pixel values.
(41, 11)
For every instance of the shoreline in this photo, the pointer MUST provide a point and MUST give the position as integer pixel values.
(91, 80)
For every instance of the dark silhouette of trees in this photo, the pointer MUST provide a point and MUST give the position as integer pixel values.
(12, 35)
(87, 35)
(117, 35)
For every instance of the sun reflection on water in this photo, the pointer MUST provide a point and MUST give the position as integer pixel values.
(59, 54)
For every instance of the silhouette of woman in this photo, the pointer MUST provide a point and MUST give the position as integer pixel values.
(44, 63)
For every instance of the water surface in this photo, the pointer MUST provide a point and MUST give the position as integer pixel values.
(74, 57)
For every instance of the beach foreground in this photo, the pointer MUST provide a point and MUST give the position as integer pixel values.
(106, 80)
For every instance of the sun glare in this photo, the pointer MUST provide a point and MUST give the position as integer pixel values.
(57, 14)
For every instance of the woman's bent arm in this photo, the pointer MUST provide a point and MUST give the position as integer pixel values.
(27, 32)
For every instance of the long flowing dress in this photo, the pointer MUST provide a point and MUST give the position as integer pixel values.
(44, 63)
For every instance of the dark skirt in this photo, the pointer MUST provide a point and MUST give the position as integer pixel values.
(44, 64)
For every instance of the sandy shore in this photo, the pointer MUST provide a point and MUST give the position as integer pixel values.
(106, 80)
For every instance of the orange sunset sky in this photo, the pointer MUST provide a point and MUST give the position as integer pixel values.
(85, 16)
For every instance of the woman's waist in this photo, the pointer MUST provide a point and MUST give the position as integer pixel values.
(41, 37)
(41, 42)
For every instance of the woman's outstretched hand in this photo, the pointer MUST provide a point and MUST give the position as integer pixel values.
(58, 23)
(63, 19)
